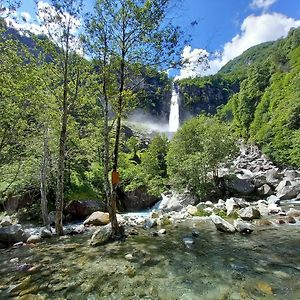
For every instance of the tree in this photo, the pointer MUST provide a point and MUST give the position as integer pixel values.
(196, 152)
(61, 19)
(130, 35)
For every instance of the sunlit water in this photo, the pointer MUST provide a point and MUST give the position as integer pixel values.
(264, 265)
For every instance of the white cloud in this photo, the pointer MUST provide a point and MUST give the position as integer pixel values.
(46, 23)
(264, 4)
(194, 62)
(254, 30)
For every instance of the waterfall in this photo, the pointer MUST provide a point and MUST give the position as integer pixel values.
(174, 110)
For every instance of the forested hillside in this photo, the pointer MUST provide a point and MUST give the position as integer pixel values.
(266, 109)
(259, 94)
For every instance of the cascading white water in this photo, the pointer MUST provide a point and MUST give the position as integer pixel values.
(174, 110)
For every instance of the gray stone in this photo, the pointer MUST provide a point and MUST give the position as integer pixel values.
(175, 201)
(243, 227)
(291, 174)
(149, 223)
(273, 176)
(259, 180)
(208, 203)
(265, 190)
(12, 234)
(45, 233)
(240, 186)
(288, 189)
(220, 205)
(79, 229)
(263, 209)
(249, 213)
(222, 225)
(101, 235)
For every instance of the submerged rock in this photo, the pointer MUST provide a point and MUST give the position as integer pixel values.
(188, 242)
(243, 227)
(222, 225)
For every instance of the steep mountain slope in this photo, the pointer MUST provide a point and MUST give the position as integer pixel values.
(259, 94)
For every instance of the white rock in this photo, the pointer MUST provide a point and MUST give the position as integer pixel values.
(242, 226)
(273, 199)
(192, 210)
(222, 225)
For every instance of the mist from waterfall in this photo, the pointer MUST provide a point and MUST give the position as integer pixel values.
(174, 110)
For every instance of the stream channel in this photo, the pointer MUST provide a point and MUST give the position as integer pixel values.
(263, 265)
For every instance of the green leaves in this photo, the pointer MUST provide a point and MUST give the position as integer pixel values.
(196, 152)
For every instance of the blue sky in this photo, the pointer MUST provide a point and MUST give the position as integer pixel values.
(226, 27)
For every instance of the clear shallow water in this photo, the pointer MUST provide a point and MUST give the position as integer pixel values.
(264, 265)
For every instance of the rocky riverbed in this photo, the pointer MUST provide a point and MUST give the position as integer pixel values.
(243, 246)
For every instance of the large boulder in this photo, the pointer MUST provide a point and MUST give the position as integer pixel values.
(249, 213)
(12, 234)
(222, 225)
(79, 210)
(288, 189)
(273, 176)
(25, 200)
(176, 202)
(259, 180)
(97, 218)
(138, 199)
(265, 190)
(101, 236)
(240, 186)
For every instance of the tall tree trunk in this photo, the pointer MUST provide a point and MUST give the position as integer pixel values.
(113, 202)
(62, 146)
(60, 176)
(43, 178)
